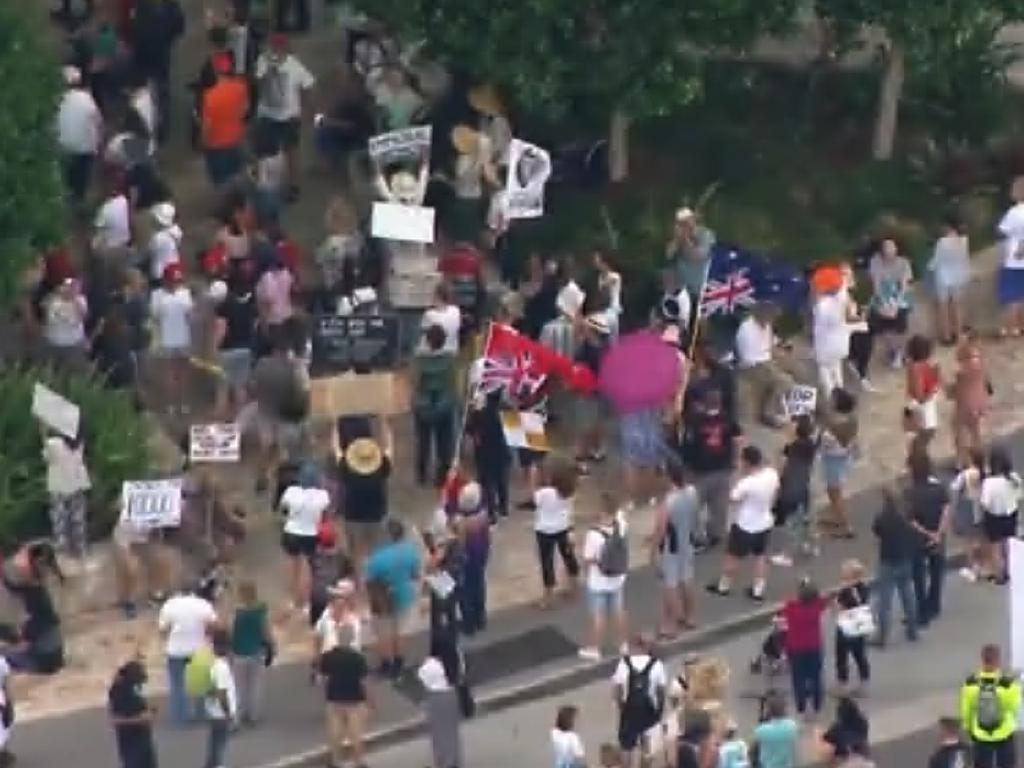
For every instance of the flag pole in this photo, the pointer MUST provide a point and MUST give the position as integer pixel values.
(468, 399)
(700, 306)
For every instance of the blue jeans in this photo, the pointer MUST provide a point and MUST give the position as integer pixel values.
(805, 668)
(217, 743)
(178, 701)
(895, 577)
(473, 597)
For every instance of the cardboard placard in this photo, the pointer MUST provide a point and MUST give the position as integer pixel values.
(800, 401)
(524, 429)
(220, 443)
(152, 503)
(362, 342)
(408, 223)
(357, 394)
(529, 168)
(412, 290)
(55, 411)
(402, 144)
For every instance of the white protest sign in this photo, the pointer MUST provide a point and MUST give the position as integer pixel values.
(529, 168)
(54, 411)
(800, 401)
(408, 143)
(214, 443)
(408, 223)
(152, 503)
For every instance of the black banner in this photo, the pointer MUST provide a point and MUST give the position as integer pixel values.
(360, 343)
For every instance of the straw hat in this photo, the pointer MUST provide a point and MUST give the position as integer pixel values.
(465, 139)
(363, 456)
(485, 99)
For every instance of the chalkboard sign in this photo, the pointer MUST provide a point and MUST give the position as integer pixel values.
(358, 342)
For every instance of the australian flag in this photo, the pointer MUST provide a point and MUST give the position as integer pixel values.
(740, 278)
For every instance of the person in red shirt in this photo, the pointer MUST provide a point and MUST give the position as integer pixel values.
(801, 617)
(223, 112)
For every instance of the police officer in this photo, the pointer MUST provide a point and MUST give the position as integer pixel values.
(989, 702)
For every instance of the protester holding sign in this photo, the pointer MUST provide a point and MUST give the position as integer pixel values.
(68, 483)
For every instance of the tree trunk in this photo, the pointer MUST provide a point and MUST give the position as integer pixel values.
(889, 95)
(618, 146)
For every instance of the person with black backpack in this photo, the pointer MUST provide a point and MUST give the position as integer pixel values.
(640, 682)
(606, 553)
(989, 702)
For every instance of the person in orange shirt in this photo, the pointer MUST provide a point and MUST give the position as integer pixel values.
(224, 108)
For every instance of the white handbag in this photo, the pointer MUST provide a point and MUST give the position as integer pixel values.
(858, 621)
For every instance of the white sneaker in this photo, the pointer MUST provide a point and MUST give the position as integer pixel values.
(867, 386)
(782, 560)
(968, 574)
(590, 653)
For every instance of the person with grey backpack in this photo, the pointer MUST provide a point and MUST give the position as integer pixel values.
(606, 554)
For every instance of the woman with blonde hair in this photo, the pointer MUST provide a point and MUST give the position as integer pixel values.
(854, 623)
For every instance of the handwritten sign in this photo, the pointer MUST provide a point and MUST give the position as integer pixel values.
(404, 143)
(152, 503)
(358, 394)
(56, 412)
(214, 443)
(361, 342)
(408, 223)
(800, 401)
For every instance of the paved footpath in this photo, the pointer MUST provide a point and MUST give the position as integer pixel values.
(523, 655)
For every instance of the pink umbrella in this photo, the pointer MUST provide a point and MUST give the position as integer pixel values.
(640, 371)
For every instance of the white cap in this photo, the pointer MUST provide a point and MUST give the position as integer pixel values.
(217, 291)
(164, 214)
(72, 75)
(685, 214)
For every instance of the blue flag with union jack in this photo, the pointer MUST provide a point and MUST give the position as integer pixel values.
(740, 278)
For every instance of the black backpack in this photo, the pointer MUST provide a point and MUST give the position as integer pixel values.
(639, 710)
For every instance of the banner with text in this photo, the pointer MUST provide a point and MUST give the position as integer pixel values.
(406, 145)
(529, 168)
(152, 503)
(214, 443)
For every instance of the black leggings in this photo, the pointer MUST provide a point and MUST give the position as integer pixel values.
(546, 543)
(855, 647)
(862, 346)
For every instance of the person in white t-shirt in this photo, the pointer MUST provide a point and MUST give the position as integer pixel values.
(752, 497)
(6, 704)
(304, 504)
(552, 525)
(1011, 274)
(170, 307)
(338, 621)
(221, 702)
(79, 133)
(566, 744)
(164, 245)
(112, 226)
(184, 621)
(445, 314)
(638, 717)
(831, 337)
(606, 577)
(999, 500)
(284, 83)
(761, 382)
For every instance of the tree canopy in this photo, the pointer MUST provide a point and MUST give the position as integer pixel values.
(31, 211)
(556, 57)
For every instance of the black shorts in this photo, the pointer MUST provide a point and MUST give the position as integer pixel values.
(745, 544)
(298, 546)
(272, 136)
(995, 754)
(999, 527)
(896, 324)
(529, 458)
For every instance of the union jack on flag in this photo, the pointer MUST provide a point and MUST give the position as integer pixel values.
(516, 374)
(739, 278)
(728, 294)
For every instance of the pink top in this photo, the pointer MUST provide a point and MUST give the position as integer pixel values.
(274, 294)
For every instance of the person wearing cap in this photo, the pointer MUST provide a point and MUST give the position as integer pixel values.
(164, 244)
(689, 250)
(284, 83)
(170, 307)
(79, 133)
(223, 109)
(364, 467)
(762, 383)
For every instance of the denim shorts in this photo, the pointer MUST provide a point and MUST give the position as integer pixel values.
(605, 602)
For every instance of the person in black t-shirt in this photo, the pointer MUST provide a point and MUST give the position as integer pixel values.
(793, 504)
(132, 717)
(363, 470)
(235, 332)
(897, 542)
(348, 698)
(952, 752)
(848, 734)
(710, 439)
(928, 503)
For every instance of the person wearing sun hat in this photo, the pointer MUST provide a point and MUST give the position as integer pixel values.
(364, 467)
(171, 306)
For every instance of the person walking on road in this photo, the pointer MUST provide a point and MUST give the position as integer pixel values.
(897, 543)
(448, 701)
(184, 621)
(1000, 498)
(552, 525)
(252, 650)
(565, 742)
(854, 624)
(131, 715)
(606, 554)
(928, 500)
(349, 701)
(640, 683)
(989, 702)
(673, 552)
(221, 701)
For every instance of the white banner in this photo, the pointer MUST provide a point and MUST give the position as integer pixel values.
(152, 503)
(408, 223)
(800, 401)
(56, 412)
(403, 144)
(529, 168)
(214, 443)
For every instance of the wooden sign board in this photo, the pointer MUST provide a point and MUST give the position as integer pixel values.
(358, 394)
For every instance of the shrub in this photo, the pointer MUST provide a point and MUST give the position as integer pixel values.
(114, 436)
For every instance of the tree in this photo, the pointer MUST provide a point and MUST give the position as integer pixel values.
(31, 210)
(613, 59)
(946, 52)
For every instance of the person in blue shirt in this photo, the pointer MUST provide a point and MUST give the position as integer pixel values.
(776, 739)
(392, 580)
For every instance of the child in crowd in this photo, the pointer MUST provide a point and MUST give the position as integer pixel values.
(970, 391)
(733, 751)
(923, 385)
(793, 508)
(966, 493)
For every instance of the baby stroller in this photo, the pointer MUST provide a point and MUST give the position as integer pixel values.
(769, 665)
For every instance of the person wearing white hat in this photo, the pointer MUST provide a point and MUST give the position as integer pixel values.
(165, 243)
(79, 133)
(689, 251)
